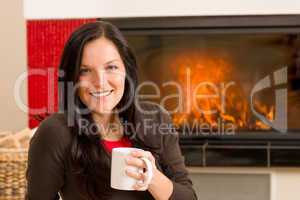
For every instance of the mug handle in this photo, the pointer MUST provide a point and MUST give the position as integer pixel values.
(149, 174)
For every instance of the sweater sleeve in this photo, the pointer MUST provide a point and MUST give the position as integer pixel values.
(174, 162)
(45, 170)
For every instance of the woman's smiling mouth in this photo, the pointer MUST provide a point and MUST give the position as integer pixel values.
(101, 94)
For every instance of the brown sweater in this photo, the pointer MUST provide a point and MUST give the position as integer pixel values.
(49, 173)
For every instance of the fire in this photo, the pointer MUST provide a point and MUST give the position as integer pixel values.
(212, 92)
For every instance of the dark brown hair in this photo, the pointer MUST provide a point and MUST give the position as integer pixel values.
(90, 161)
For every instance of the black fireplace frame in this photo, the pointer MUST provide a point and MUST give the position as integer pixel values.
(209, 24)
(247, 149)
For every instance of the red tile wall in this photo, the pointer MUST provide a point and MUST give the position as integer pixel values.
(45, 42)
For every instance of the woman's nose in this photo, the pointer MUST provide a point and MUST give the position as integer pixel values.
(100, 78)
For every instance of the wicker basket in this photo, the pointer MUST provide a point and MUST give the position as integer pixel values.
(13, 164)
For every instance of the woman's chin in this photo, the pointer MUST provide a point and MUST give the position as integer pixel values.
(107, 110)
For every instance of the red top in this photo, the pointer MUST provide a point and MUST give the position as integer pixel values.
(123, 142)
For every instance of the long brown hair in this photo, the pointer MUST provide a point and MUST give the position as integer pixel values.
(90, 161)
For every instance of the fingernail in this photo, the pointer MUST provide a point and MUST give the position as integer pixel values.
(128, 170)
(140, 183)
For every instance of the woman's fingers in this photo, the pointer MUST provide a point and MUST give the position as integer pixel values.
(140, 177)
(135, 175)
(146, 154)
(134, 159)
(139, 186)
(135, 162)
(139, 154)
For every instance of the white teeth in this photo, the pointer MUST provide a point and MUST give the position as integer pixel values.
(101, 94)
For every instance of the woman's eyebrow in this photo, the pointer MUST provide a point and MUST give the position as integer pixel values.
(86, 66)
(111, 61)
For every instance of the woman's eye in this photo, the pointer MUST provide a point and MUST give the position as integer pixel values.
(111, 67)
(84, 71)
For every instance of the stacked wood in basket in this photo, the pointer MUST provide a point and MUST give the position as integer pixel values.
(13, 164)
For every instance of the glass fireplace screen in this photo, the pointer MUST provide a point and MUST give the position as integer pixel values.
(222, 81)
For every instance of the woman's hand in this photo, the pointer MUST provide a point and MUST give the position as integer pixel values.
(160, 186)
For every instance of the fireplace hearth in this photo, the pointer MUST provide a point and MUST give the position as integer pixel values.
(230, 83)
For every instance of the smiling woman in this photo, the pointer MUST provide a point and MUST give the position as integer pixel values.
(102, 76)
(70, 153)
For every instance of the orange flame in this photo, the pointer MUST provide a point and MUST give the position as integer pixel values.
(208, 94)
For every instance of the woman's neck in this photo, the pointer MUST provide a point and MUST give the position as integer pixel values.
(103, 119)
(109, 125)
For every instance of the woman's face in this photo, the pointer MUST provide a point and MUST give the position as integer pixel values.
(102, 76)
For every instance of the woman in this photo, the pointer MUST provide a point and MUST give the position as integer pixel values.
(70, 152)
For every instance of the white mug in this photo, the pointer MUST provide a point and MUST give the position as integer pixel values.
(119, 179)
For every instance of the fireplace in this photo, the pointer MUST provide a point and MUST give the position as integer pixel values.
(230, 83)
